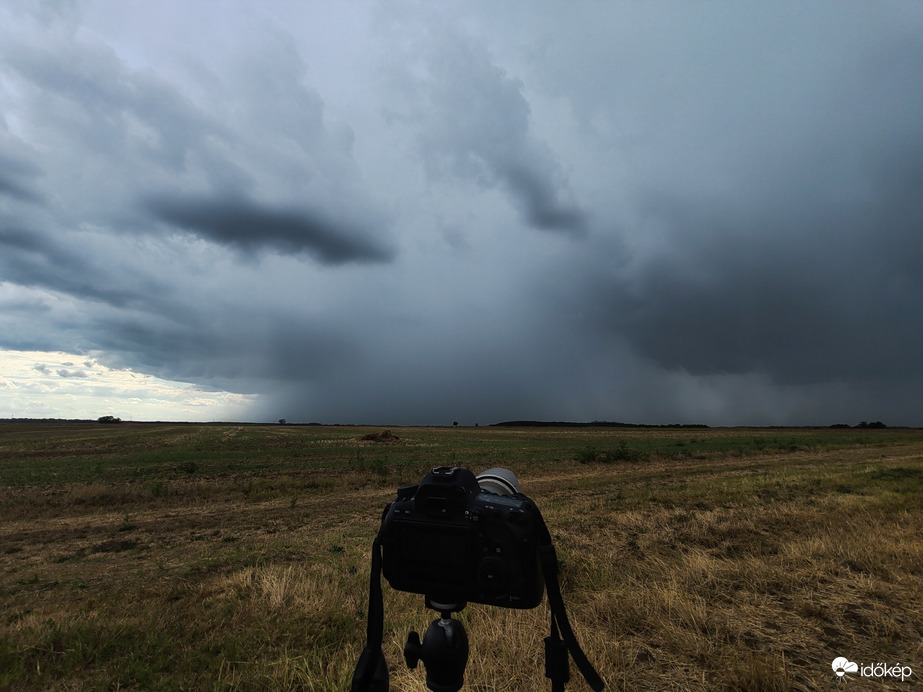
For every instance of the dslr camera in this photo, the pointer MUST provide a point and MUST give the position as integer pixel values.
(457, 538)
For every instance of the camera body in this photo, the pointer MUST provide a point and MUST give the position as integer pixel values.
(455, 542)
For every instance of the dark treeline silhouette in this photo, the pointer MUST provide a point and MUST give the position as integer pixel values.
(592, 424)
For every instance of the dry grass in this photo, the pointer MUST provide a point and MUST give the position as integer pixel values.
(718, 567)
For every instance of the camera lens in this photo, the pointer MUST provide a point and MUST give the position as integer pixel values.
(499, 481)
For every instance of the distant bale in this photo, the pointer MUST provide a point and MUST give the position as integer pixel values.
(385, 437)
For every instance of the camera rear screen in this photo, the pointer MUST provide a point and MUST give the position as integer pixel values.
(435, 555)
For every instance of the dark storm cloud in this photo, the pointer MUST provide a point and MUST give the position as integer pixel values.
(462, 378)
(82, 94)
(249, 226)
(476, 125)
(37, 259)
(807, 267)
(11, 187)
(16, 180)
(777, 316)
(261, 133)
(214, 350)
(14, 237)
(745, 181)
(539, 201)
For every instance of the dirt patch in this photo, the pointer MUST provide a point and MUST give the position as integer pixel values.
(114, 546)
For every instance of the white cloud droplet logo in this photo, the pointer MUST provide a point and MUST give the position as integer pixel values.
(842, 665)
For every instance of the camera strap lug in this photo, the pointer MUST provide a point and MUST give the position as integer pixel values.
(557, 667)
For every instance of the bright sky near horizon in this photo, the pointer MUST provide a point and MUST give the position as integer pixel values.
(416, 213)
(43, 384)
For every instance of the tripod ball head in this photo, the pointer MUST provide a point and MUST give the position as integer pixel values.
(444, 652)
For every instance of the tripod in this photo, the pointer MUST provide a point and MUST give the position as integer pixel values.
(444, 649)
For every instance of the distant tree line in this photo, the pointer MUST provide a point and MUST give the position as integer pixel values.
(613, 424)
(592, 424)
(876, 425)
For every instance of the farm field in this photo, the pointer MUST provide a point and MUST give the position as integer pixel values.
(236, 557)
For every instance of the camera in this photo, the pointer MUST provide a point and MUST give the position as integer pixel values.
(457, 538)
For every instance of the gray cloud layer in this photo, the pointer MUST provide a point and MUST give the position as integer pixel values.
(650, 213)
(473, 123)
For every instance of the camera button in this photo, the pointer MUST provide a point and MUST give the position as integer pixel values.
(516, 516)
(492, 576)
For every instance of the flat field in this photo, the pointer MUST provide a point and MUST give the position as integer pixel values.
(236, 557)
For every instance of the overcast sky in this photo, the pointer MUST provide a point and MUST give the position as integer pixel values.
(420, 213)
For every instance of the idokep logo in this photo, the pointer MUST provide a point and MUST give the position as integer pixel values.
(843, 666)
